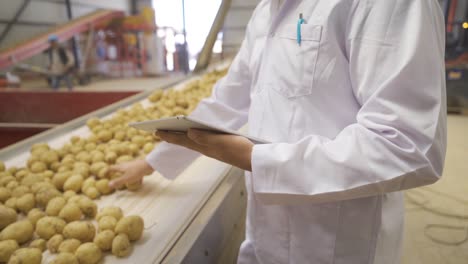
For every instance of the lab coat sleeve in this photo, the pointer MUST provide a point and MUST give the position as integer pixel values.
(227, 107)
(399, 138)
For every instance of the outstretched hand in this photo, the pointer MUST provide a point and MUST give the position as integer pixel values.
(231, 149)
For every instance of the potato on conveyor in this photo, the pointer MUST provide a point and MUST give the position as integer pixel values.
(5, 194)
(45, 194)
(131, 225)
(107, 223)
(55, 205)
(39, 243)
(25, 203)
(121, 246)
(49, 226)
(7, 247)
(71, 212)
(104, 239)
(26, 255)
(103, 186)
(113, 211)
(81, 230)
(87, 206)
(54, 243)
(88, 253)
(7, 216)
(34, 215)
(73, 183)
(69, 245)
(2, 166)
(21, 231)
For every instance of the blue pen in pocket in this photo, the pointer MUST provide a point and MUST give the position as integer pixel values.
(299, 23)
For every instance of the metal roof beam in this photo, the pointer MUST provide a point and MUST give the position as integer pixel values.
(14, 20)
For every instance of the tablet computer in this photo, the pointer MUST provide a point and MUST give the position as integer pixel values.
(184, 123)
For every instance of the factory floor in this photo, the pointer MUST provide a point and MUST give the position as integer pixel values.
(436, 226)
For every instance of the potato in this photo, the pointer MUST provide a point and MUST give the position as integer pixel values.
(11, 185)
(97, 155)
(90, 146)
(103, 172)
(88, 207)
(7, 247)
(39, 243)
(73, 183)
(65, 258)
(70, 212)
(21, 231)
(148, 147)
(25, 203)
(97, 166)
(110, 157)
(39, 185)
(38, 166)
(49, 226)
(54, 243)
(45, 194)
(2, 166)
(90, 182)
(83, 156)
(81, 230)
(21, 174)
(55, 205)
(49, 156)
(6, 179)
(131, 225)
(123, 159)
(107, 223)
(69, 245)
(103, 186)
(104, 135)
(113, 211)
(30, 179)
(121, 246)
(12, 170)
(104, 239)
(26, 255)
(5, 194)
(92, 192)
(139, 140)
(34, 215)
(82, 170)
(93, 122)
(60, 178)
(68, 194)
(75, 199)
(7, 216)
(20, 191)
(88, 253)
(11, 203)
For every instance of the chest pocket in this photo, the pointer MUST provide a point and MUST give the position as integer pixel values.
(291, 67)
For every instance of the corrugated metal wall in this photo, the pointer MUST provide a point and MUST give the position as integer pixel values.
(235, 24)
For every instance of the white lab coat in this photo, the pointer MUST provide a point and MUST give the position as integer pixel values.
(356, 112)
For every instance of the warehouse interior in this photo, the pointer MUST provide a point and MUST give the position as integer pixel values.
(137, 60)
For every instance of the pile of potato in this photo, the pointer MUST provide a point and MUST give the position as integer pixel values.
(48, 204)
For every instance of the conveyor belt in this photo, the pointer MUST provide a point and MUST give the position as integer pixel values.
(168, 207)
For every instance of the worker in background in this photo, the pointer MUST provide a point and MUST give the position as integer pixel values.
(61, 64)
(351, 95)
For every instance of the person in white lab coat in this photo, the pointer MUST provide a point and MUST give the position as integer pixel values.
(356, 112)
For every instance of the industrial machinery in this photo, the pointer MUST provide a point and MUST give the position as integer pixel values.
(456, 18)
